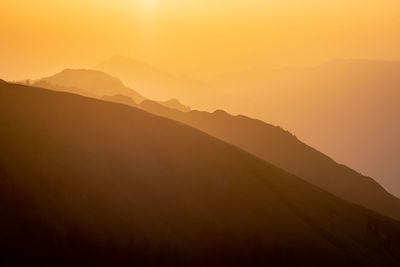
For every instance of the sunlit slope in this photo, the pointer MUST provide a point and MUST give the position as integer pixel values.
(284, 150)
(86, 181)
(346, 108)
(96, 83)
(281, 149)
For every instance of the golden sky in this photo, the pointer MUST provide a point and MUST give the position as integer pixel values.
(40, 37)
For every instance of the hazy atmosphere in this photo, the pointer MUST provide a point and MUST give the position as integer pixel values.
(238, 41)
(199, 132)
(194, 37)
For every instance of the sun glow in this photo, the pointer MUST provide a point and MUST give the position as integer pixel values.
(148, 6)
(196, 36)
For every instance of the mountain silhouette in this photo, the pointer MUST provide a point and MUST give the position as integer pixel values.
(175, 104)
(160, 85)
(286, 151)
(75, 90)
(96, 83)
(283, 150)
(87, 182)
(346, 108)
(126, 100)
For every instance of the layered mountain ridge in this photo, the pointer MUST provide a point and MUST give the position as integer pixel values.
(281, 149)
(346, 108)
(111, 184)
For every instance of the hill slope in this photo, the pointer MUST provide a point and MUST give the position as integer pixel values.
(346, 108)
(90, 182)
(175, 104)
(96, 83)
(284, 150)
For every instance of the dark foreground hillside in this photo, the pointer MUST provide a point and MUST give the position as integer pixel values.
(284, 150)
(261, 139)
(87, 182)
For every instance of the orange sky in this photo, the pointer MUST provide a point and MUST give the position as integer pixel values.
(40, 37)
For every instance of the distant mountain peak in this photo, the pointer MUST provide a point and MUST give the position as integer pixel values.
(122, 99)
(86, 72)
(96, 82)
(158, 84)
(220, 112)
(175, 104)
(173, 101)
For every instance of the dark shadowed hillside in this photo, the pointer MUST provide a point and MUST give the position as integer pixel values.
(96, 183)
(283, 150)
(287, 152)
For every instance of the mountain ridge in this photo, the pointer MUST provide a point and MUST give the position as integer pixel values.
(160, 85)
(280, 148)
(346, 108)
(159, 182)
(96, 82)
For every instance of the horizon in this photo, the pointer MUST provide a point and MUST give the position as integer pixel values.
(202, 79)
(197, 38)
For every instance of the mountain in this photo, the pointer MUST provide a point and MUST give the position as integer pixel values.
(100, 85)
(126, 100)
(175, 104)
(346, 108)
(281, 148)
(276, 146)
(75, 90)
(88, 182)
(160, 85)
(96, 83)
(170, 104)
